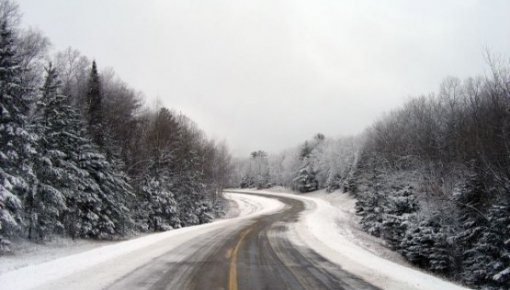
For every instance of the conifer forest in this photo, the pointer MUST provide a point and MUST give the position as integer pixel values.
(81, 156)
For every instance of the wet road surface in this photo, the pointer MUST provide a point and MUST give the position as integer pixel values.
(255, 254)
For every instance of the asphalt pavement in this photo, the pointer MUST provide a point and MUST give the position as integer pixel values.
(256, 254)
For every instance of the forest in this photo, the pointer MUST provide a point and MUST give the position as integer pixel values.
(82, 156)
(431, 178)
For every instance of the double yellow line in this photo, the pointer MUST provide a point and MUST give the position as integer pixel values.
(232, 254)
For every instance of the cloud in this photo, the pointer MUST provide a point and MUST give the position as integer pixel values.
(268, 74)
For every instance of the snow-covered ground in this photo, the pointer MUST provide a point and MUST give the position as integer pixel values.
(329, 227)
(348, 225)
(39, 269)
(28, 253)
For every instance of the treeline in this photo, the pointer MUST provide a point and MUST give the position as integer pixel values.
(431, 178)
(81, 157)
(318, 163)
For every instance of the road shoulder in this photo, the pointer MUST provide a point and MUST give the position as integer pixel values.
(322, 227)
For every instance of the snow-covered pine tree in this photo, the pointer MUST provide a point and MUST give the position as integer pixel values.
(247, 181)
(369, 207)
(189, 174)
(487, 260)
(371, 201)
(398, 208)
(498, 269)
(425, 245)
(306, 180)
(361, 172)
(157, 207)
(64, 135)
(46, 202)
(15, 141)
(204, 210)
(387, 205)
(95, 107)
(110, 218)
(186, 181)
(474, 223)
(96, 195)
(334, 181)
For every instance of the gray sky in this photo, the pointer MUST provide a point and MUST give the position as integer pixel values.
(270, 74)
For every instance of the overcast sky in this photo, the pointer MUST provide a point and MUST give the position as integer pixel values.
(270, 74)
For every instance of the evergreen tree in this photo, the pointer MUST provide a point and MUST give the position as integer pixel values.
(15, 141)
(398, 208)
(425, 245)
(173, 175)
(63, 134)
(109, 214)
(95, 106)
(247, 181)
(306, 151)
(369, 207)
(46, 202)
(186, 180)
(498, 268)
(257, 174)
(306, 180)
(157, 209)
(60, 165)
(70, 167)
(486, 261)
(474, 223)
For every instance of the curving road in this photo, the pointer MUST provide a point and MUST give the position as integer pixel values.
(254, 251)
(255, 255)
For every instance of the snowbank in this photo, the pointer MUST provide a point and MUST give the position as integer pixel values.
(322, 228)
(28, 253)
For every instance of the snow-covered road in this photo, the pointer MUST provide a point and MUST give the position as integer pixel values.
(278, 241)
(320, 229)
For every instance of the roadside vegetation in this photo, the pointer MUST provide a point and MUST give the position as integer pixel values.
(82, 157)
(432, 178)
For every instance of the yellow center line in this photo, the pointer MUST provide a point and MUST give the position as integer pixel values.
(232, 273)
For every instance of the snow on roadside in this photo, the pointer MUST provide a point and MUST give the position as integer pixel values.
(29, 253)
(326, 229)
(37, 274)
(348, 224)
